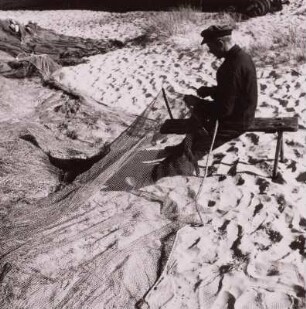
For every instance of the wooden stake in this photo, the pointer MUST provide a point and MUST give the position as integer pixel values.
(167, 103)
(277, 153)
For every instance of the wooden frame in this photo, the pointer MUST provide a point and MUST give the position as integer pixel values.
(266, 125)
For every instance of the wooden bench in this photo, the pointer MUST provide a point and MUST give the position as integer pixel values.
(267, 125)
(279, 126)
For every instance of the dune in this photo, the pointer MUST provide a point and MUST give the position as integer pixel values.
(106, 236)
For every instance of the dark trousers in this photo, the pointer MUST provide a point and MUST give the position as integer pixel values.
(182, 160)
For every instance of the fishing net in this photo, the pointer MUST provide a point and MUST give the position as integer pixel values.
(128, 157)
(136, 151)
(43, 63)
(127, 166)
(114, 276)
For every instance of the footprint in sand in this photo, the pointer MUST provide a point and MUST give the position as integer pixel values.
(301, 178)
(297, 85)
(253, 137)
(263, 185)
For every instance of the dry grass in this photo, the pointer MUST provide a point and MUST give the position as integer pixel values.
(292, 43)
(275, 46)
(280, 45)
(182, 20)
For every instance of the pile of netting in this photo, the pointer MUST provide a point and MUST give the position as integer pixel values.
(43, 64)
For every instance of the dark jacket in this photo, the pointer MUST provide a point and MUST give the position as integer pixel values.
(236, 91)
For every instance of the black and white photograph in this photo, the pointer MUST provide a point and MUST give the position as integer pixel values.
(152, 154)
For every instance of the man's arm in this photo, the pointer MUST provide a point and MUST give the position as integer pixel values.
(204, 91)
(226, 96)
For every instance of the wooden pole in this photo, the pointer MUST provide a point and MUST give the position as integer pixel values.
(282, 158)
(167, 103)
(277, 152)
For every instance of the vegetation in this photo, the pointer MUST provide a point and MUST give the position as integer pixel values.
(275, 46)
(180, 21)
(281, 45)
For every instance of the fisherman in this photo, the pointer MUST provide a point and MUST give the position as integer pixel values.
(233, 105)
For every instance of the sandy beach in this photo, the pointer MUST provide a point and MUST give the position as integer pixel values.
(108, 238)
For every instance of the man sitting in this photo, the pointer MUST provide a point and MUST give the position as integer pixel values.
(234, 104)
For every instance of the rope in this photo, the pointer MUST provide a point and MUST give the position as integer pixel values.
(205, 172)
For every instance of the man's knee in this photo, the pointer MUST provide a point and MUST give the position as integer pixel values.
(192, 101)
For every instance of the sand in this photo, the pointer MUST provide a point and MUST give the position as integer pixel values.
(115, 248)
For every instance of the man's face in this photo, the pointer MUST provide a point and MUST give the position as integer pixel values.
(216, 47)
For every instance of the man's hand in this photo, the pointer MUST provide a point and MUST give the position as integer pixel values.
(189, 100)
(204, 91)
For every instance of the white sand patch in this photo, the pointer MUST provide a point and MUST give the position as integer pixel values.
(130, 79)
(243, 250)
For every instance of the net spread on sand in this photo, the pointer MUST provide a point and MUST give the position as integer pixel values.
(57, 222)
(127, 156)
(102, 242)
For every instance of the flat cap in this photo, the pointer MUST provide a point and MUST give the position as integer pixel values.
(214, 32)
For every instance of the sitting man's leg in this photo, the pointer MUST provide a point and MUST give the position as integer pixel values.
(196, 146)
(201, 143)
(173, 165)
(182, 158)
(182, 162)
(202, 111)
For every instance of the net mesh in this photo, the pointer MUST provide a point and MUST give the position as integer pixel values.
(127, 167)
(44, 64)
(103, 278)
(127, 157)
(132, 157)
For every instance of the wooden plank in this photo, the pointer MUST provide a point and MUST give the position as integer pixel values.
(179, 126)
(267, 125)
(272, 125)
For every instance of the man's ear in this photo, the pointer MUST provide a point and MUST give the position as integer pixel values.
(220, 43)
